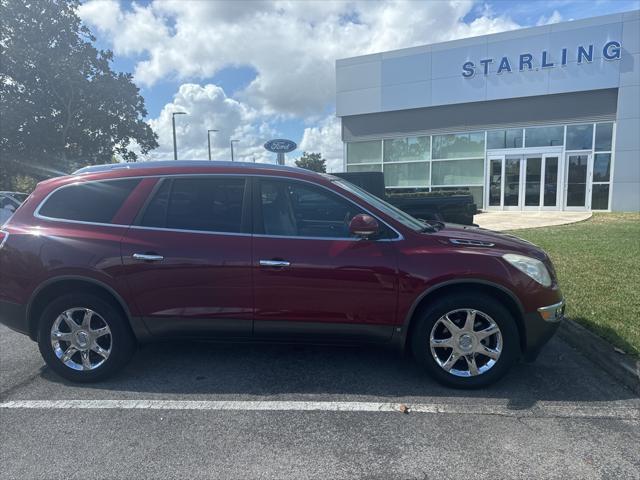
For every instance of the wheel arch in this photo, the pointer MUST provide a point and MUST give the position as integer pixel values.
(498, 292)
(68, 283)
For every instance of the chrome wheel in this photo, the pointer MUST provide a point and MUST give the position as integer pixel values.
(81, 339)
(466, 342)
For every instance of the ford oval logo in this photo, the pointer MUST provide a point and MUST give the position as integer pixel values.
(280, 145)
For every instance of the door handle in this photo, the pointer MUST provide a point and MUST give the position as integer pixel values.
(274, 263)
(147, 257)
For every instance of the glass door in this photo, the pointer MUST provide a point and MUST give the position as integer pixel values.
(512, 182)
(577, 188)
(495, 182)
(550, 167)
(532, 185)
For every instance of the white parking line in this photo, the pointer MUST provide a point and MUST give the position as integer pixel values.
(539, 410)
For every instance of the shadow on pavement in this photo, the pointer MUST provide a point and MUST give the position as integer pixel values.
(260, 372)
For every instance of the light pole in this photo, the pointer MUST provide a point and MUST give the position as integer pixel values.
(173, 123)
(231, 143)
(209, 141)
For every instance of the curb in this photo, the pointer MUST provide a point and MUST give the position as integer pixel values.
(622, 367)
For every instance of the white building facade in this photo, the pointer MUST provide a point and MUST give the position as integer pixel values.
(544, 118)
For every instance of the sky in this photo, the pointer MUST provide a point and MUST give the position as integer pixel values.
(256, 70)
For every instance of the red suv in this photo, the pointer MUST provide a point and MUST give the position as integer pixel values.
(95, 262)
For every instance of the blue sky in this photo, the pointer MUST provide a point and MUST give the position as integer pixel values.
(266, 68)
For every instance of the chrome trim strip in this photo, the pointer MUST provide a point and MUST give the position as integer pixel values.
(471, 243)
(274, 263)
(36, 213)
(4, 240)
(182, 230)
(147, 257)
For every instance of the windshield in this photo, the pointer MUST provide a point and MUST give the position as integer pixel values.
(395, 213)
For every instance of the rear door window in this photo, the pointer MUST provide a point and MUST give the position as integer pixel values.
(200, 203)
(93, 202)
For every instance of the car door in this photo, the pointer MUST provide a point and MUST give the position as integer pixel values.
(187, 259)
(311, 278)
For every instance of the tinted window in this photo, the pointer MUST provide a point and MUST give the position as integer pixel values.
(204, 204)
(510, 138)
(96, 202)
(297, 210)
(544, 136)
(579, 137)
(604, 134)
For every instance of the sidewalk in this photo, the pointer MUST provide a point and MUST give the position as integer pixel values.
(517, 220)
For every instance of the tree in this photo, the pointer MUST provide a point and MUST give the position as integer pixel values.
(313, 162)
(61, 105)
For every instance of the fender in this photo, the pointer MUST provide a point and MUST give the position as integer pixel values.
(137, 325)
(400, 336)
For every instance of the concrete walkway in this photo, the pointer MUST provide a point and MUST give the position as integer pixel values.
(519, 220)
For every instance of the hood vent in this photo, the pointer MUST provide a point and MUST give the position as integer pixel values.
(471, 243)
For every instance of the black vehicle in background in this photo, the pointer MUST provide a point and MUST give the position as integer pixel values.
(452, 207)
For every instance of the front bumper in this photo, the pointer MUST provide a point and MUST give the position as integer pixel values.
(14, 316)
(540, 327)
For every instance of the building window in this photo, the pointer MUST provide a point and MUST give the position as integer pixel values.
(458, 172)
(367, 167)
(413, 174)
(409, 149)
(602, 166)
(509, 138)
(406, 162)
(544, 136)
(600, 196)
(459, 145)
(579, 137)
(604, 135)
(364, 152)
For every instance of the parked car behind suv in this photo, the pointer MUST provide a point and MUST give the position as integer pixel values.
(95, 262)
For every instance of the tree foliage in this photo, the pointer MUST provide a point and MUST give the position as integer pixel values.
(61, 105)
(312, 161)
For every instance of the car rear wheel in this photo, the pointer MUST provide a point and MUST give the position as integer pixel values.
(466, 340)
(83, 338)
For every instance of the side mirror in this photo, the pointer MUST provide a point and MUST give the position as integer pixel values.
(364, 226)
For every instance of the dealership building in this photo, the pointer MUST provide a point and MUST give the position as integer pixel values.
(543, 118)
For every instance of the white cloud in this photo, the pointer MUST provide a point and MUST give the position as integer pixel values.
(325, 139)
(291, 44)
(555, 17)
(208, 107)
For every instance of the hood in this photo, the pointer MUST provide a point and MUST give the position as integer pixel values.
(469, 236)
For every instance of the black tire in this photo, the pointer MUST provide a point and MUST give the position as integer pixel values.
(122, 341)
(420, 338)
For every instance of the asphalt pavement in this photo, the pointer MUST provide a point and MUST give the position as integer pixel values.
(201, 410)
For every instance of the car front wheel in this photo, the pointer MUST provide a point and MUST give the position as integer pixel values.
(83, 338)
(466, 340)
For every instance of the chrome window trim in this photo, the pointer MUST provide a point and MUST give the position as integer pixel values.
(37, 214)
(182, 230)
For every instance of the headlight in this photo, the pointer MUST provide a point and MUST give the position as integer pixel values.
(532, 267)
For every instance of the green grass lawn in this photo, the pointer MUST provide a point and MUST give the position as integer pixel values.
(598, 265)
